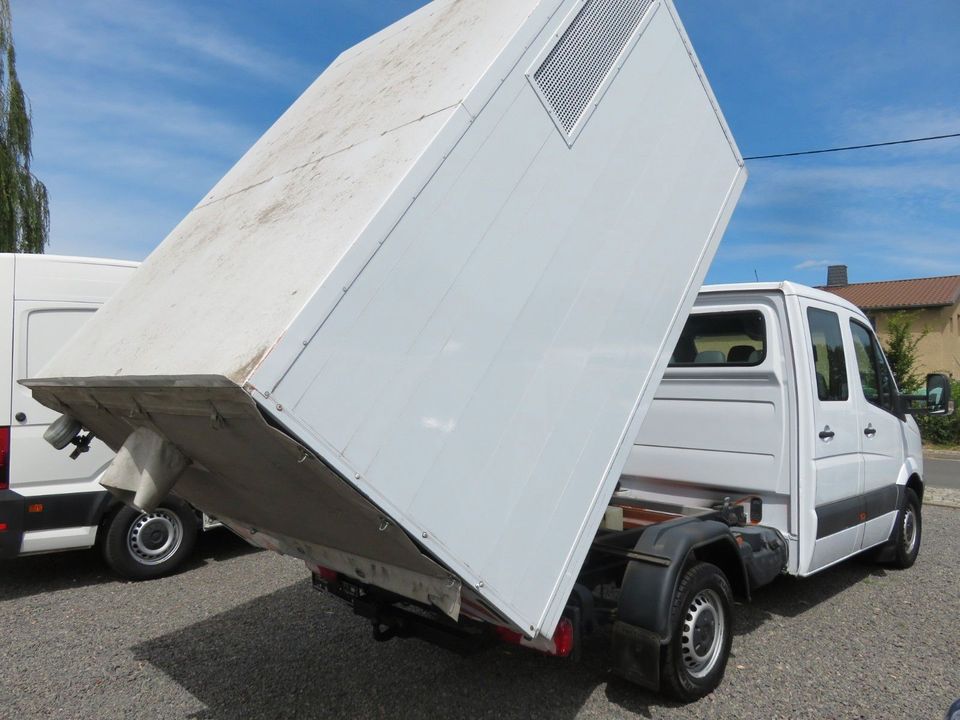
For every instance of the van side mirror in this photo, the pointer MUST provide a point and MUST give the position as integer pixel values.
(936, 400)
(939, 401)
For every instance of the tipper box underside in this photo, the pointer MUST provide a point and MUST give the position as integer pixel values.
(256, 478)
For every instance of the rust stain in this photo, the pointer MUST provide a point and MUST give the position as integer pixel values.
(240, 374)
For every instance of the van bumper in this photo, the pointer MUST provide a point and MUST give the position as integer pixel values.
(56, 512)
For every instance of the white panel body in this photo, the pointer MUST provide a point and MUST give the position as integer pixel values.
(461, 309)
(52, 298)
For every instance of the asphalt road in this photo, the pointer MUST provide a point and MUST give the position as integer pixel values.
(241, 634)
(942, 472)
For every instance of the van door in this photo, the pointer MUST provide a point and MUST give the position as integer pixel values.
(37, 471)
(836, 440)
(881, 435)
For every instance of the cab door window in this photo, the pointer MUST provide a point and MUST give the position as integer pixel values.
(875, 379)
(829, 363)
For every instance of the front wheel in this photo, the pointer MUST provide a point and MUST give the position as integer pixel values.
(141, 546)
(701, 621)
(907, 533)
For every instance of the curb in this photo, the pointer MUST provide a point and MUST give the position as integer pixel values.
(942, 503)
(943, 497)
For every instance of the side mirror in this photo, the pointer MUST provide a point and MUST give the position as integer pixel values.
(939, 401)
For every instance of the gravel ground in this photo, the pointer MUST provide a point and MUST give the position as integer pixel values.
(241, 634)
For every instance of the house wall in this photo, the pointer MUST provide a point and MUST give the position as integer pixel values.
(939, 351)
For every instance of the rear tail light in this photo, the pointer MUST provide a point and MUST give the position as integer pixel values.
(4, 458)
(327, 574)
(561, 645)
(563, 638)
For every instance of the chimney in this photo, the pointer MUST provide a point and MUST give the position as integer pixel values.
(837, 276)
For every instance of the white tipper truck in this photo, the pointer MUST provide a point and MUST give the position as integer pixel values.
(412, 336)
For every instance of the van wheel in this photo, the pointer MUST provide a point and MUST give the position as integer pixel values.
(141, 546)
(693, 662)
(907, 532)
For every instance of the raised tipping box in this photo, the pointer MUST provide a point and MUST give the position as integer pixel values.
(258, 478)
(452, 271)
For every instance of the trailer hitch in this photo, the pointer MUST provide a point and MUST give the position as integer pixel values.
(385, 629)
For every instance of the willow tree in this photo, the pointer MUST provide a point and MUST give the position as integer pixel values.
(24, 212)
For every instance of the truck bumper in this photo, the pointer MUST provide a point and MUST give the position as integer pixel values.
(40, 517)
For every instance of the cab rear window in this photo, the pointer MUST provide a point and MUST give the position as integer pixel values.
(721, 339)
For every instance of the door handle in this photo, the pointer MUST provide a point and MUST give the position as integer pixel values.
(20, 417)
(870, 430)
(827, 434)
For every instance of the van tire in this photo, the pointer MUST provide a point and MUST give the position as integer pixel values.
(693, 662)
(908, 531)
(142, 546)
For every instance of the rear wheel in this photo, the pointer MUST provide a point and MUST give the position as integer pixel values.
(907, 532)
(141, 546)
(701, 621)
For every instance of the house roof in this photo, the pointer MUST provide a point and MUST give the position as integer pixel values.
(895, 294)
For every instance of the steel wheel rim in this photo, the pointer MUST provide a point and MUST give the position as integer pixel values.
(154, 537)
(909, 530)
(703, 632)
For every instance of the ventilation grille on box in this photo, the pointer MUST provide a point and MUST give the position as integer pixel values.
(576, 67)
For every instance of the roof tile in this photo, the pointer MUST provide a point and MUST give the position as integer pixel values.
(894, 294)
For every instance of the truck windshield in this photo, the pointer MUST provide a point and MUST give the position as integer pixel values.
(722, 338)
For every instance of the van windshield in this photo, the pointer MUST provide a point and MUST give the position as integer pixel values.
(722, 338)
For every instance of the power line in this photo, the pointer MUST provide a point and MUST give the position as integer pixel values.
(853, 147)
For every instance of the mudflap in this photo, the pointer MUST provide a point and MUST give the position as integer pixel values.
(636, 655)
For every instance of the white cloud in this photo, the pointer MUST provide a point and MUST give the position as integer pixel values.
(136, 34)
(890, 123)
(785, 182)
(133, 115)
(811, 264)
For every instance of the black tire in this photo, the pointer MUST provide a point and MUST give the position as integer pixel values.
(701, 621)
(142, 546)
(908, 532)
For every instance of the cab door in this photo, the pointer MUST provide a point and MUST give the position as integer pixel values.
(881, 435)
(834, 513)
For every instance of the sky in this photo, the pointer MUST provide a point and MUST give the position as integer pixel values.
(140, 106)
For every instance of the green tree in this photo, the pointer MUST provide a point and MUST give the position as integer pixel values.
(901, 349)
(24, 209)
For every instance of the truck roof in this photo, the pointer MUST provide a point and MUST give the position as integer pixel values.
(784, 287)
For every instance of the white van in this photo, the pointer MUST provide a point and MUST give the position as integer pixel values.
(49, 502)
